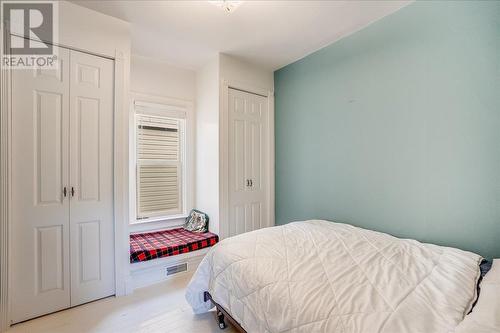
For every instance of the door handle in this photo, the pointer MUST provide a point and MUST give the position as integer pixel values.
(72, 191)
(251, 182)
(65, 191)
(248, 182)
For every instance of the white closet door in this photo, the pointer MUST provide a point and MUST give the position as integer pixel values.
(91, 172)
(40, 273)
(248, 149)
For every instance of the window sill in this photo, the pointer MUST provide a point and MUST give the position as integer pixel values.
(159, 219)
(155, 224)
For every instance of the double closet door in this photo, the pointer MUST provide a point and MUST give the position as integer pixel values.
(62, 240)
(248, 147)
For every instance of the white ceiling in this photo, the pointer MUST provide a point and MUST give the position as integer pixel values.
(269, 33)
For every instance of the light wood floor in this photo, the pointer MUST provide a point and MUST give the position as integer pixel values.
(159, 308)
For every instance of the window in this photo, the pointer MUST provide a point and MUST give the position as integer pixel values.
(160, 163)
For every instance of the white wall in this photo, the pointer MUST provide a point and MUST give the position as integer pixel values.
(82, 28)
(153, 77)
(234, 70)
(207, 142)
(163, 83)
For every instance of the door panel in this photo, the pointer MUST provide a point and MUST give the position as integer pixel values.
(89, 251)
(240, 172)
(48, 144)
(91, 178)
(238, 216)
(248, 148)
(256, 217)
(255, 154)
(87, 116)
(49, 266)
(40, 213)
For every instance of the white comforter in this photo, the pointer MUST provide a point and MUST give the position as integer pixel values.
(319, 276)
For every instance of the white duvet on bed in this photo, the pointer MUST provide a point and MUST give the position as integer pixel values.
(319, 276)
(485, 317)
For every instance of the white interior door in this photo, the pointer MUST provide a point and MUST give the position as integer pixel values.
(91, 178)
(62, 240)
(248, 151)
(40, 270)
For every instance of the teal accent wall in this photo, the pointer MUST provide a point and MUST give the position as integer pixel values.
(396, 128)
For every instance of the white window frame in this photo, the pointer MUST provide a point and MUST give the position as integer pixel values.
(171, 108)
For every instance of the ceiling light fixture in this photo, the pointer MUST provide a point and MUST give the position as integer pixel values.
(228, 6)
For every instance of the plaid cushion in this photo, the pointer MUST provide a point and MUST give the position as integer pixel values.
(166, 243)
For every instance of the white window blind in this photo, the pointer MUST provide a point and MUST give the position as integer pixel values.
(159, 166)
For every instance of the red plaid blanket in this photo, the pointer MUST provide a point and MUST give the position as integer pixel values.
(166, 243)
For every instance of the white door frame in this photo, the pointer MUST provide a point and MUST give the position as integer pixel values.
(4, 187)
(120, 170)
(225, 85)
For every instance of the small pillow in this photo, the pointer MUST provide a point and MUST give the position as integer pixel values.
(196, 221)
(485, 267)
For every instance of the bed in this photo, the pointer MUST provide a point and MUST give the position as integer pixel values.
(320, 276)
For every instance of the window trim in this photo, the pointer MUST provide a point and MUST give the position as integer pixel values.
(163, 107)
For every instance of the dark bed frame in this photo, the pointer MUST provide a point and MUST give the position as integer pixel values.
(222, 314)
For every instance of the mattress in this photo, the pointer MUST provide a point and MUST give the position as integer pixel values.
(320, 276)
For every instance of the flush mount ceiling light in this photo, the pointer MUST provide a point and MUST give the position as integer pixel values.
(226, 5)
